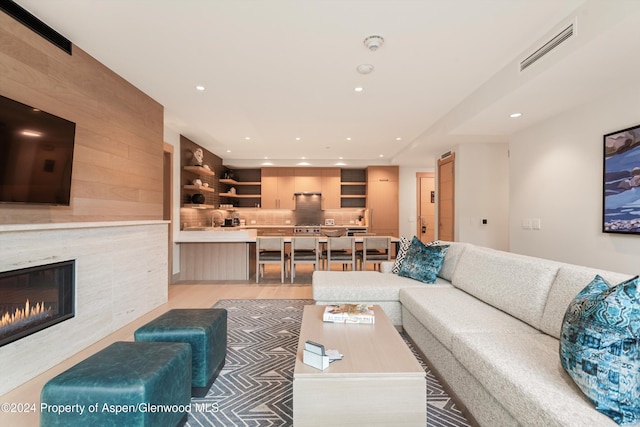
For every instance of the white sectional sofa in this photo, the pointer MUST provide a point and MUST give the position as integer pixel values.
(490, 326)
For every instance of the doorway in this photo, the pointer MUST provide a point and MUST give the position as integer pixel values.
(425, 184)
(167, 201)
(446, 198)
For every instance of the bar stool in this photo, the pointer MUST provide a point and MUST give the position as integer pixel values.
(270, 250)
(304, 250)
(374, 250)
(343, 250)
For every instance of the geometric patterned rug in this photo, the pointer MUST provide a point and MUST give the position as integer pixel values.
(255, 387)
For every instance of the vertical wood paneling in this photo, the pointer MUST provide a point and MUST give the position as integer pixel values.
(117, 169)
(214, 261)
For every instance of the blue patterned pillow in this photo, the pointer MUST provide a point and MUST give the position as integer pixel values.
(402, 252)
(423, 262)
(600, 347)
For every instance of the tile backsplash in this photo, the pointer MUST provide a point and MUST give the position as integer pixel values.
(203, 217)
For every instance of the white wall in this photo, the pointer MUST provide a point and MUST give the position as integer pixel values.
(556, 176)
(482, 192)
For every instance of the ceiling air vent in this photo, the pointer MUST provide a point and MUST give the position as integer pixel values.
(560, 38)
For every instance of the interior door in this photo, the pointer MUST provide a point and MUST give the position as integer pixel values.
(426, 207)
(167, 200)
(446, 197)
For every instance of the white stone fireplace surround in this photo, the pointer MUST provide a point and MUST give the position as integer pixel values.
(121, 274)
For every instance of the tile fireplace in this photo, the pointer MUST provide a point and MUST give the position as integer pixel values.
(34, 298)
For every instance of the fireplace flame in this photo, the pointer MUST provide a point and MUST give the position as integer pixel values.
(23, 316)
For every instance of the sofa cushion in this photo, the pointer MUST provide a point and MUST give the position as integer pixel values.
(513, 283)
(600, 347)
(369, 286)
(451, 258)
(423, 262)
(446, 312)
(523, 373)
(569, 281)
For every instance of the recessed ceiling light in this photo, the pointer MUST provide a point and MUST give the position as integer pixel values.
(381, 155)
(364, 68)
(515, 115)
(348, 138)
(200, 88)
(398, 139)
(247, 138)
(359, 89)
(298, 138)
(228, 151)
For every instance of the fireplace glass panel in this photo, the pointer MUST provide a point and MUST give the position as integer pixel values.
(32, 299)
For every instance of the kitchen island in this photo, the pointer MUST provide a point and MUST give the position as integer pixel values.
(208, 253)
(217, 253)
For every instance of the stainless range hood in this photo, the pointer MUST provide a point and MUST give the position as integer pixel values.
(308, 193)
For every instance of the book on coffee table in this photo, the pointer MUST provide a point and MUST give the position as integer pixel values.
(349, 313)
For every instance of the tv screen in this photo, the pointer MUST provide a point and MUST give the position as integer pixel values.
(36, 154)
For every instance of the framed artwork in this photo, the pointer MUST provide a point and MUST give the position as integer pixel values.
(621, 182)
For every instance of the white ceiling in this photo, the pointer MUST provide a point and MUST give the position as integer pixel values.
(281, 69)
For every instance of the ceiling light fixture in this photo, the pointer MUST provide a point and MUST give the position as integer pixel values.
(373, 42)
(515, 115)
(365, 68)
(348, 138)
(247, 138)
(298, 138)
(398, 139)
(200, 88)
(359, 89)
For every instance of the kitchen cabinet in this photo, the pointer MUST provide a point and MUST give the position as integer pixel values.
(308, 180)
(383, 200)
(277, 188)
(330, 186)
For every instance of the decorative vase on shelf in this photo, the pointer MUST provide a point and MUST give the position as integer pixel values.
(197, 198)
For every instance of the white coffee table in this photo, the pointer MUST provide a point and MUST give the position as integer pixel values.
(378, 383)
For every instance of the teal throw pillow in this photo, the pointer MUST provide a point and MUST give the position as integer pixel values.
(423, 262)
(600, 347)
(402, 252)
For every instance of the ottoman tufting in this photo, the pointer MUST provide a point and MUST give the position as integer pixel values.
(205, 329)
(126, 384)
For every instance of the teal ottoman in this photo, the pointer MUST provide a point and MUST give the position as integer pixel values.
(126, 384)
(205, 329)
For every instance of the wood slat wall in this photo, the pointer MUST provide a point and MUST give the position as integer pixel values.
(117, 167)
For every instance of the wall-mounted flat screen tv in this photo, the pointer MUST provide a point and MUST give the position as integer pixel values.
(36, 155)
